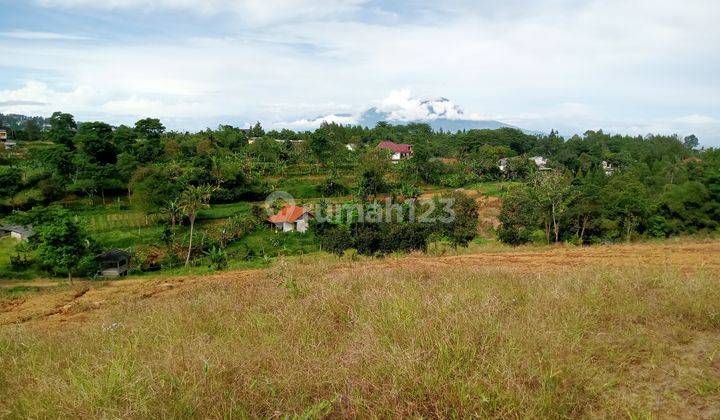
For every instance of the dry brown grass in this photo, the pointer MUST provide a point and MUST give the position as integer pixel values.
(434, 337)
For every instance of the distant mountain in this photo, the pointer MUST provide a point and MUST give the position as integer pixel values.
(373, 116)
(440, 114)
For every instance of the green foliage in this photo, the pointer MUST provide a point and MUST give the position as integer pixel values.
(380, 229)
(95, 140)
(10, 181)
(61, 245)
(603, 188)
(519, 216)
(154, 186)
(218, 257)
(332, 187)
(371, 173)
(461, 228)
(62, 129)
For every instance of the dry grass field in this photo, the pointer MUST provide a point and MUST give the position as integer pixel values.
(614, 331)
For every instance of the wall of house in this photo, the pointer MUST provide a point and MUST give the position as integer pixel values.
(302, 225)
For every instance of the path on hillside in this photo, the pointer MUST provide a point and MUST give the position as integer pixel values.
(66, 305)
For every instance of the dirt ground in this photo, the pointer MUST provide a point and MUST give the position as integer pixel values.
(62, 306)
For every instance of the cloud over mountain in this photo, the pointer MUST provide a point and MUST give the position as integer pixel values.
(401, 107)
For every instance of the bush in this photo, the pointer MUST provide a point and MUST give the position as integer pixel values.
(331, 187)
(218, 257)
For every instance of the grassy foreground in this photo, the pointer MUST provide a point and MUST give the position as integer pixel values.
(355, 339)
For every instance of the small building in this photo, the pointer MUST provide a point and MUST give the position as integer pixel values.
(3, 134)
(608, 168)
(398, 151)
(113, 263)
(20, 233)
(291, 219)
(503, 164)
(540, 161)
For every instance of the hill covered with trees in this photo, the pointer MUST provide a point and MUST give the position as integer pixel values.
(592, 188)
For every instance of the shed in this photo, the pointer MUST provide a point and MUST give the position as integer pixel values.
(21, 233)
(113, 263)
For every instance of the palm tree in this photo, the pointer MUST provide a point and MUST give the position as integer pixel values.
(173, 211)
(192, 200)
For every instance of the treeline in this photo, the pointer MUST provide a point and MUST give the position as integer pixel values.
(610, 187)
(672, 196)
(374, 227)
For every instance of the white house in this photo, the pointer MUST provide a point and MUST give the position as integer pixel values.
(540, 161)
(291, 219)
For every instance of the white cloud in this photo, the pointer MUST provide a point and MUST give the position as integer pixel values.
(697, 119)
(402, 106)
(308, 124)
(44, 36)
(251, 11)
(37, 97)
(555, 63)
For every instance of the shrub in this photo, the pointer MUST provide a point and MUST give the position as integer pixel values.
(218, 257)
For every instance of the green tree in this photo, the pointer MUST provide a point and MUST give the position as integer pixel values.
(33, 131)
(519, 216)
(691, 142)
(149, 148)
(371, 170)
(553, 192)
(10, 181)
(586, 204)
(461, 226)
(627, 202)
(95, 140)
(62, 129)
(153, 186)
(124, 138)
(61, 245)
(192, 200)
(256, 130)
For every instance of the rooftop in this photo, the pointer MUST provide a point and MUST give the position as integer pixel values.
(395, 147)
(288, 214)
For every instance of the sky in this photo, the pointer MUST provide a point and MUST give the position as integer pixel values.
(630, 67)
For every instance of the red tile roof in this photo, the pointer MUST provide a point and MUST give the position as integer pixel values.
(396, 148)
(288, 214)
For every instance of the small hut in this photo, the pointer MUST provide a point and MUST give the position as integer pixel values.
(20, 233)
(113, 263)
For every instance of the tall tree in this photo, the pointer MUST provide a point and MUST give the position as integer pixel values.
(552, 191)
(192, 200)
(95, 140)
(61, 244)
(149, 148)
(33, 130)
(62, 129)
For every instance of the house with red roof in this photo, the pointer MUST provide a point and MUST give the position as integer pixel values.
(397, 151)
(291, 219)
